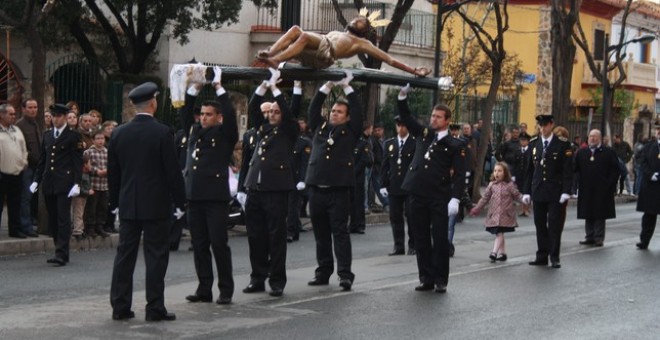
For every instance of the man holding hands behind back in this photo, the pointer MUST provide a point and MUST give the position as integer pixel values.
(144, 178)
(435, 181)
(210, 148)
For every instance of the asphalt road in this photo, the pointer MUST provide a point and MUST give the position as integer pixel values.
(599, 293)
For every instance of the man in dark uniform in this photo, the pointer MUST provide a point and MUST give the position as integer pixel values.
(435, 182)
(144, 180)
(210, 149)
(520, 171)
(509, 151)
(649, 192)
(301, 152)
(330, 177)
(376, 141)
(598, 169)
(399, 152)
(249, 145)
(59, 173)
(548, 181)
(268, 181)
(363, 159)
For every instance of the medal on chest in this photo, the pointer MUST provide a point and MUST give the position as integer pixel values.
(331, 141)
(398, 161)
(591, 158)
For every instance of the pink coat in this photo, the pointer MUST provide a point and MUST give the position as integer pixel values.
(501, 211)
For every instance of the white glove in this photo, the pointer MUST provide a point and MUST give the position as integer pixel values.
(513, 179)
(115, 211)
(346, 81)
(33, 187)
(467, 174)
(75, 191)
(274, 76)
(383, 191)
(654, 178)
(445, 83)
(564, 198)
(526, 199)
(217, 75)
(300, 186)
(241, 197)
(297, 83)
(178, 213)
(403, 92)
(452, 207)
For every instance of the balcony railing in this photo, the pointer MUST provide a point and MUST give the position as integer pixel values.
(417, 29)
(637, 74)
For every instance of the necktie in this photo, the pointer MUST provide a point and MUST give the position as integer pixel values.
(57, 133)
(545, 145)
(400, 144)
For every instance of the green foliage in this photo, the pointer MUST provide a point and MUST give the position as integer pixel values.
(624, 102)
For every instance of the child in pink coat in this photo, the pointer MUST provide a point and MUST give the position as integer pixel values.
(501, 193)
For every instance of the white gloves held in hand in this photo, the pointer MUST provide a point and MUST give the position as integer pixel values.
(403, 92)
(383, 191)
(274, 77)
(241, 197)
(217, 77)
(75, 191)
(564, 198)
(33, 187)
(300, 186)
(654, 178)
(452, 207)
(346, 81)
(179, 213)
(526, 199)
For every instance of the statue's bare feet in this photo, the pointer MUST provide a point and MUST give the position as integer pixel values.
(263, 54)
(422, 71)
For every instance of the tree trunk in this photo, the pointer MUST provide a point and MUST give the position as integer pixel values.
(38, 71)
(486, 130)
(563, 54)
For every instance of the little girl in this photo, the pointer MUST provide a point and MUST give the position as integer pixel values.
(501, 193)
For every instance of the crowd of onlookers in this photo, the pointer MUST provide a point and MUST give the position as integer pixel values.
(20, 150)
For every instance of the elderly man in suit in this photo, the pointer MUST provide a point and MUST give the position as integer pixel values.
(145, 180)
(58, 175)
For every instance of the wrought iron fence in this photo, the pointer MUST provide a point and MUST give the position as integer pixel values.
(417, 29)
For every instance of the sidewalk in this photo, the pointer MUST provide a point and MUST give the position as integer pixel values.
(44, 244)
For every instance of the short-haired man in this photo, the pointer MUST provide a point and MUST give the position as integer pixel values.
(436, 182)
(13, 160)
(33, 136)
(58, 176)
(548, 183)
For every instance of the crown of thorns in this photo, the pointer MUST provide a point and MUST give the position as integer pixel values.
(373, 18)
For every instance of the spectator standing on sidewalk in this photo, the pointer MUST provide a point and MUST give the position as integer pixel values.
(624, 153)
(13, 161)
(96, 208)
(33, 137)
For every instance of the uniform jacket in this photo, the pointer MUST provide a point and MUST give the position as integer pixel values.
(301, 152)
(271, 166)
(60, 164)
(396, 163)
(144, 177)
(249, 144)
(550, 175)
(332, 163)
(520, 169)
(209, 152)
(509, 152)
(597, 182)
(364, 159)
(501, 210)
(431, 176)
(649, 191)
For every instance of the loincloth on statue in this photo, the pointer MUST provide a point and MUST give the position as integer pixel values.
(322, 57)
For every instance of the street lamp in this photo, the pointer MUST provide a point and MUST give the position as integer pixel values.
(607, 100)
(519, 80)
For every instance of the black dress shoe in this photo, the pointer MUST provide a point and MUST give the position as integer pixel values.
(276, 292)
(440, 288)
(642, 246)
(32, 234)
(412, 251)
(345, 284)
(318, 282)
(17, 234)
(397, 252)
(199, 298)
(587, 242)
(424, 287)
(254, 288)
(58, 262)
(223, 300)
(555, 264)
(289, 239)
(501, 257)
(357, 231)
(160, 317)
(123, 316)
(538, 262)
(598, 244)
(452, 250)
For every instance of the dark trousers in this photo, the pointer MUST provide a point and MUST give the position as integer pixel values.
(10, 186)
(208, 229)
(398, 207)
(358, 218)
(594, 229)
(374, 187)
(96, 210)
(430, 223)
(649, 221)
(29, 202)
(329, 209)
(176, 230)
(549, 226)
(59, 223)
(265, 219)
(156, 258)
(109, 220)
(293, 224)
